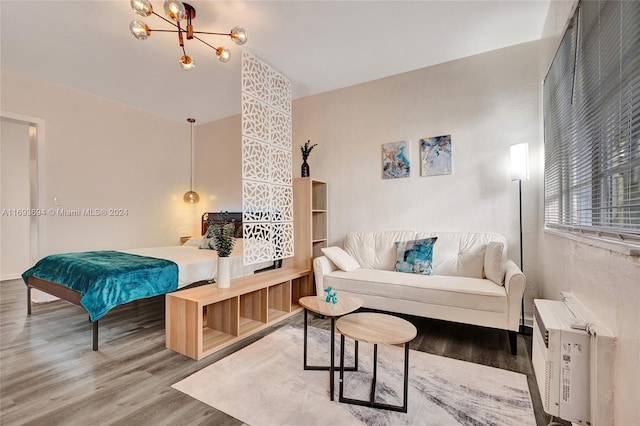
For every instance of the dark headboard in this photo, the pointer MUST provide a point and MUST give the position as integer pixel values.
(211, 218)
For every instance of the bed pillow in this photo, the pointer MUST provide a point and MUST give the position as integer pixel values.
(340, 258)
(494, 262)
(194, 241)
(415, 256)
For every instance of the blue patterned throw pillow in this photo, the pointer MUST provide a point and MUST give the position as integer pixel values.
(415, 256)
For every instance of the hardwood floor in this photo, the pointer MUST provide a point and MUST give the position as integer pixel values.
(50, 376)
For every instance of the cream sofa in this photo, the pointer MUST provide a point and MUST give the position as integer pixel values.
(472, 280)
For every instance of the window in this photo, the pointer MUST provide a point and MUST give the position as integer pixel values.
(592, 123)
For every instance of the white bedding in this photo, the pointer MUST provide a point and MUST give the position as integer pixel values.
(195, 264)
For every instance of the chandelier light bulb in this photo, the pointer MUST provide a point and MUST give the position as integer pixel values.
(142, 7)
(139, 29)
(238, 35)
(223, 54)
(187, 63)
(174, 10)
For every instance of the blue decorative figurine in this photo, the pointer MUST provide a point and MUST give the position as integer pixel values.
(331, 295)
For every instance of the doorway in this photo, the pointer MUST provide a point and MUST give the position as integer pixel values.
(19, 221)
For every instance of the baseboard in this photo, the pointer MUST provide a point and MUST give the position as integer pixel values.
(8, 277)
(528, 321)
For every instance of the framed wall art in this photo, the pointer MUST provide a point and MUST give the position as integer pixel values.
(395, 160)
(435, 156)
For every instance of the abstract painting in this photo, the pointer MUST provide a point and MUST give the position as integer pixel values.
(395, 160)
(435, 156)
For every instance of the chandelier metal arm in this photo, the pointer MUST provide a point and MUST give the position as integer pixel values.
(195, 37)
(165, 19)
(162, 31)
(180, 38)
(205, 32)
(195, 32)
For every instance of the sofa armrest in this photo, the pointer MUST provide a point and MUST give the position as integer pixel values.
(321, 267)
(514, 284)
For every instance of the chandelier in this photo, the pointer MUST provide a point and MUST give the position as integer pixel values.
(177, 12)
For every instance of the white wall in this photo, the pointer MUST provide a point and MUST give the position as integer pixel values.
(102, 155)
(218, 177)
(15, 256)
(606, 282)
(486, 102)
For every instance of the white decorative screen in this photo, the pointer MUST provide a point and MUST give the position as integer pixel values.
(267, 177)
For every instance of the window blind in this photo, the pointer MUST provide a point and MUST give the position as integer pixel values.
(591, 102)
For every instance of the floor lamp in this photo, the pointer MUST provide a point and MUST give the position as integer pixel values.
(520, 172)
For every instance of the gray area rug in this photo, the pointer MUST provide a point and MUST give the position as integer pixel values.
(264, 384)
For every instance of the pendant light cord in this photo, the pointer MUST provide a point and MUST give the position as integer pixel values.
(191, 121)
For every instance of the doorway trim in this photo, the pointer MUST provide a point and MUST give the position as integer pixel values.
(36, 189)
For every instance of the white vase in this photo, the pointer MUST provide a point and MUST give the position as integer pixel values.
(224, 272)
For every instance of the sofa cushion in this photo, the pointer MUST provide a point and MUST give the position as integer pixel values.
(376, 250)
(415, 256)
(471, 293)
(460, 253)
(494, 262)
(340, 258)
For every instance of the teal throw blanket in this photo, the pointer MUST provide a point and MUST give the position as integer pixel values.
(106, 279)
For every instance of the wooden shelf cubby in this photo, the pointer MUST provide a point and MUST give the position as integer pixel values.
(318, 195)
(319, 225)
(301, 287)
(279, 301)
(204, 319)
(311, 216)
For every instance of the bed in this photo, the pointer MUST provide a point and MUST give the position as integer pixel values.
(98, 281)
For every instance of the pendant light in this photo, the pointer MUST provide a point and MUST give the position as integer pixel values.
(191, 197)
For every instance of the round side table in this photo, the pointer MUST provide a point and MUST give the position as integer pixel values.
(376, 328)
(318, 305)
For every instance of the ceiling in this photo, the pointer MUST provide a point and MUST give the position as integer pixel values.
(319, 45)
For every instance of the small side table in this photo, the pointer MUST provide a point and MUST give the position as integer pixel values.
(376, 328)
(318, 305)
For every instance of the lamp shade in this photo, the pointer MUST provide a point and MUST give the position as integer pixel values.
(139, 29)
(238, 35)
(175, 10)
(191, 197)
(187, 63)
(223, 54)
(142, 7)
(520, 161)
